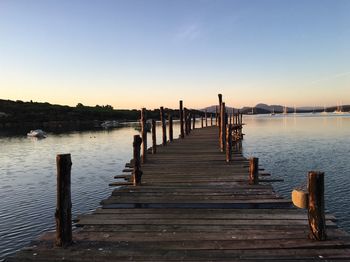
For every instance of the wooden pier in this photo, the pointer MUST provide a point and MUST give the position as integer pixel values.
(193, 204)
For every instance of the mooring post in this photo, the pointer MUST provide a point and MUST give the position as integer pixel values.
(202, 122)
(63, 213)
(154, 137)
(143, 135)
(317, 221)
(194, 121)
(137, 173)
(163, 121)
(222, 127)
(219, 116)
(253, 171)
(170, 128)
(181, 114)
(189, 121)
(211, 119)
(229, 143)
(206, 118)
(216, 116)
(186, 121)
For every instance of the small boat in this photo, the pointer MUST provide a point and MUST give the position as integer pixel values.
(37, 133)
(273, 112)
(110, 124)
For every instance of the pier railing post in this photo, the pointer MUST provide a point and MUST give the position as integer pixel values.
(181, 114)
(202, 122)
(229, 143)
(316, 216)
(63, 213)
(194, 121)
(163, 121)
(211, 119)
(154, 137)
(189, 121)
(137, 173)
(206, 118)
(219, 116)
(171, 138)
(144, 135)
(253, 171)
(186, 120)
(222, 127)
(216, 116)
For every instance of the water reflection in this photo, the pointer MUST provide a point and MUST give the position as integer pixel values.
(291, 145)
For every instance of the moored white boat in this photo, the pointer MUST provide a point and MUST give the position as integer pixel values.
(37, 133)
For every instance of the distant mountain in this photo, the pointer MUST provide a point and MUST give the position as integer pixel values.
(262, 108)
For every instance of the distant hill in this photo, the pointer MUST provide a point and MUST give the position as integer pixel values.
(262, 108)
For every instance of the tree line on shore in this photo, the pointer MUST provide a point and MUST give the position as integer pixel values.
(20, 112)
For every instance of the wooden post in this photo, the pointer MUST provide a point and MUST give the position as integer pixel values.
(154, 137)
(185, 121)
(194, 121)
(216, 116)
(202, 122)
(230, 117)
(170, 128)
(222, 127)
(163, 121)
(206, 118)
(317, 221)
(229, 143)
(143, 135)
(137, 173)
(63, 213)
(219, 117)
(253, 171)
(189, 122)
(181, 113)
(211, 119)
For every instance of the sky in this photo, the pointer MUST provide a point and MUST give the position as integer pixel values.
(151, 53)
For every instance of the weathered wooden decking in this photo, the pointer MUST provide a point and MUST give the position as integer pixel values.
(193, 206)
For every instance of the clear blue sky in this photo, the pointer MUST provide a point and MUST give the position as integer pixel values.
(149, 53)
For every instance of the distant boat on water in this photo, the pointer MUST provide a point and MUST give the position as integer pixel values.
(339, 109)
(37, 133)
(273, 112)
(285, 110)
(110, 124)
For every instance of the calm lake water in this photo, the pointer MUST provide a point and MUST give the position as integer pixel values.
(288, 147)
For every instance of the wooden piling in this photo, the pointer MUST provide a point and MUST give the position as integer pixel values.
(222, 127)
(202, 122)
(219, 116)
(171, 128)
(186, 120)
(194, 121)
(143, 135)
(136, 173)
(229, 143)
(163, 121)
(206, 118)
(316, 216)
(211, 119)
(154, 137)
(181, 114)
(189, 121)
(253, 171)
(63, 213)
(216, 116)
